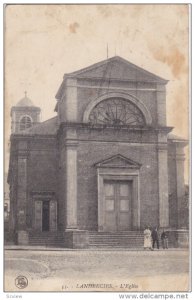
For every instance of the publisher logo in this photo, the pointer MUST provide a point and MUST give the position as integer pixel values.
(21, 282)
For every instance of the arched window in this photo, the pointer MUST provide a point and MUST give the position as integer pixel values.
(116, 111)
(25, 122)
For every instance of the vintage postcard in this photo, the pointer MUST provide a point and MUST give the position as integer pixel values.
(96, 192)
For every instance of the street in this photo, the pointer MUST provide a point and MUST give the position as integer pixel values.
(98, 270)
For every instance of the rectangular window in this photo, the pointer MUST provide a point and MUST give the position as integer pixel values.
(109, 189)
(124, 189)
(109, 205)
(124, 205)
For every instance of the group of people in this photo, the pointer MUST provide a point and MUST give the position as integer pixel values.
(151, 238)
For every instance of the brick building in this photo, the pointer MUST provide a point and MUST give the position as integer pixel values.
(106, 164)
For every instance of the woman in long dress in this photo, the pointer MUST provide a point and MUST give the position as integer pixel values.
(147, 239)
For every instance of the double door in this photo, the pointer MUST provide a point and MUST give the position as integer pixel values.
(118, 202)
(45, 215)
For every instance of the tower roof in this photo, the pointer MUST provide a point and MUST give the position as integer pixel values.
(24, 102)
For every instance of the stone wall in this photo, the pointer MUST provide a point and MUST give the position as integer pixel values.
(91, 151)
(88, 94)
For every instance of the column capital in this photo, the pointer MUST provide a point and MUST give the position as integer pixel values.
(180, 157)
(23, 153)
(72, 82)
(161, 88)
(162, 148)
(73, 144)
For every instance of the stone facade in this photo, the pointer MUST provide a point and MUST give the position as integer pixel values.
(105, 163)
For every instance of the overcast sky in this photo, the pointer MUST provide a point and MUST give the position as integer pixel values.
(42, 42)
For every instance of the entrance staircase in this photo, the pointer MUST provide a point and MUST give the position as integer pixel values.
(48, 239)
(125, 239)
(98, 240)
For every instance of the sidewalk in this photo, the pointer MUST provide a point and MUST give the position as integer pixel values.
(45, 248)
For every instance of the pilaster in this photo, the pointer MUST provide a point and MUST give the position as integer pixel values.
(22, 194)
(180, 158)
(161, 104)
(163, 181)
(71, 145)
(71, 100)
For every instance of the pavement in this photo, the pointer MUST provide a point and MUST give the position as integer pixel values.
(48, 248)
(51, 269)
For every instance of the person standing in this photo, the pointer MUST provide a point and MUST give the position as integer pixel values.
(147, 238)
(164, 239)
(155, 239)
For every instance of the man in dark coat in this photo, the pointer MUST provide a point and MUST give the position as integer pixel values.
(155, 238)
(164, 239)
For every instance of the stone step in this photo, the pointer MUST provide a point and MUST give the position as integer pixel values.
(115, 233)
(116, 237)
(54, 245)
(116, 242)
(115, 246)
(44, 234)
(45, 242)
(125, 239)
(55, 239)
(44, 237)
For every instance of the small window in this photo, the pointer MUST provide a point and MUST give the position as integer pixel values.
(5, 207)
(124, 189)
(109, 205)
(124, 205)
(109, 189)
(25, 122)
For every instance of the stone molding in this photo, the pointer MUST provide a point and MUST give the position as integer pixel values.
(125, 96)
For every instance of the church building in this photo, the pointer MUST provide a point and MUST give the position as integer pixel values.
(102, 169)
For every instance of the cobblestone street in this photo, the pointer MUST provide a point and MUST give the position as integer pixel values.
(82, 270)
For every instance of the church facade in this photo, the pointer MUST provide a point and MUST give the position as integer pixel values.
(107, 163)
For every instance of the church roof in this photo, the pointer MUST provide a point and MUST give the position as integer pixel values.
(24, 102)
(116, 68)
(118, 65)
(48, 127)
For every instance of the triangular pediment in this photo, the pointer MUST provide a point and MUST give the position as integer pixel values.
(117, 68)
(114, 68)
(118, 161)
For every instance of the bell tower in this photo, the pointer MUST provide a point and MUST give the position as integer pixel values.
(24, 115)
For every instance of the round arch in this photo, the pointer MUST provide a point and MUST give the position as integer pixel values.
(25, 122)
(124, 96)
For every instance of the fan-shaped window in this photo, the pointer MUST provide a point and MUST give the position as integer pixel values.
(25, 122)
(116, 111)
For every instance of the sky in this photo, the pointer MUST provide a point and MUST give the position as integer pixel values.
(43, 42)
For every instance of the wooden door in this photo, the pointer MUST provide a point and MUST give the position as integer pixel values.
(110, 206)
(117, 205)
(38, 215)
(124, 200)
(45, 216)
(53, 215)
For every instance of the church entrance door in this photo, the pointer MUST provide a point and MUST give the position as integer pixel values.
(118, 205)
(45, 216)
